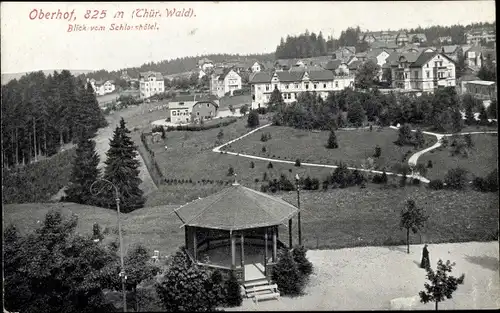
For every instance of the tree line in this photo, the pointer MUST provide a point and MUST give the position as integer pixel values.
(306, 45)
(42, 113)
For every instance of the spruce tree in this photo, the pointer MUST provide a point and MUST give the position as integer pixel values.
(122, 169)
(287, 276)
(332, 141)
(84, 172)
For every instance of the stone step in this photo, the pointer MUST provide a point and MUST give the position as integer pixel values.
(266, 296)
(253, 283)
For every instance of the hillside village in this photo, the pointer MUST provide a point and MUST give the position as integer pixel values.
(319, 182)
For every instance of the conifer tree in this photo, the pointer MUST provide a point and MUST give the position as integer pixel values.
(332, 141)
(84, 172)
(122, 169)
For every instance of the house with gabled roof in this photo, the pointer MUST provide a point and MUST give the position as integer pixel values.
(185, 109)
(421, 71)
(151, 83)
(417, 38)
(474, 57)
(224, 80)
(452, 51)
(292, 83)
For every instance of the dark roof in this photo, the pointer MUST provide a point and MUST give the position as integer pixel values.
(236, 207)
(449, 48)
(355, 64)
(321, 75)
(423, 58)
(333, 64)
(259, 77)
(197, 98)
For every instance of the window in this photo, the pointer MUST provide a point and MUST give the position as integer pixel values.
(275, 86)
(208, 105)
(315, 86)
(324, 85)
(267, 87)
(258, 88)
(406, 75)
(416, 74)
(174, 113)
(427, 65)
(307, 86)
(296, 86)
(286, 86)
(428, 74)
(198, 113)
(181, 103)
(336, 84)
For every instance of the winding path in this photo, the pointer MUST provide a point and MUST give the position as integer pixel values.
(218, 150)
(412, 161)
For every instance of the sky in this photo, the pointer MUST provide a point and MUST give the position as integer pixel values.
(29, 43)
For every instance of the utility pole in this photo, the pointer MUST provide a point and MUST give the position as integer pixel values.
(122, 272)
(297, 180)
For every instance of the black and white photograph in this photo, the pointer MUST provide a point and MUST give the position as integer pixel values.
(249, 156)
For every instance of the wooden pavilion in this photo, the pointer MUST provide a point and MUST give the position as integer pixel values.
(236, 219)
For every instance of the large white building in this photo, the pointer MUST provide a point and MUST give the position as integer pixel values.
(421, 71)
(223, 81)
(151, 83)
(292, 83)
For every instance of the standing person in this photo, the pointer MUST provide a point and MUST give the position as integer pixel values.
(425, 258)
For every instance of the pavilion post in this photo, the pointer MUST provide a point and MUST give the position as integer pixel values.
(290, 233)
(242, 251)
(195, 256)
(265, 253)
(186, 237)
(275, 230)
(233, 250)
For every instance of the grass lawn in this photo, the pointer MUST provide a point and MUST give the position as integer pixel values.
(235, 101)
(482, 159)
(370, 217)
(355, 146)
(332, 219)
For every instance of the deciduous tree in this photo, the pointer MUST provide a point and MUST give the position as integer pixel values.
(441, 285)
(412, 218)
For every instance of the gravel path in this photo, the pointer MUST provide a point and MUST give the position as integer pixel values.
(368, 278)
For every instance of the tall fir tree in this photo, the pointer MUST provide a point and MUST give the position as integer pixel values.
(122, 169)
(85, 171)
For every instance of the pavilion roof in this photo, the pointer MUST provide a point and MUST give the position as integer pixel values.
(236, 207)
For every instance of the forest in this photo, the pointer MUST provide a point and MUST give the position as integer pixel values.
(42, 113)
(311, 45)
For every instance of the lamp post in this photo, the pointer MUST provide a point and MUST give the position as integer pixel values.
(297, 179)
(122, 272)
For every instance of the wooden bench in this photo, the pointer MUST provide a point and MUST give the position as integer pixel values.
(273, 287)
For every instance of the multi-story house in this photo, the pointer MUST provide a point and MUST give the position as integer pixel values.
(474, 57)
(292, 83)
(422, 71)
(223, 81)
(186, 109)
(481, 89)
(475, 36)
(344, 52)
(256, 67)
(102, 87)
(402, 39)
(151, 83)
(124, 75)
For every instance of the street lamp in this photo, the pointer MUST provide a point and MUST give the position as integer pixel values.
(117, 199)
(297, 179)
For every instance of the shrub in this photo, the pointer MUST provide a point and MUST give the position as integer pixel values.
(436, 184)
(264, 149)
(456, 178)
(378, 152)
(286, 275)
(297, 162)
(252, 165)
(492, 180)
(270, 165)
(256, 180)
(468, 141)
(230, 172)
(264, 137)
(325, 184)
(429, 164)
(232, 291)
(264, 176)
(304, 266)
(253, 119)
